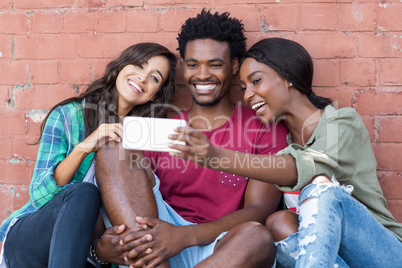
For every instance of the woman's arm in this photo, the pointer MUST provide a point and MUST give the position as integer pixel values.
(67, 168)
(58, 160)
(53, 149)
(276, 169)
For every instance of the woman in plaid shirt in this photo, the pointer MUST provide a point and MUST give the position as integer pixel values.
(54, 228)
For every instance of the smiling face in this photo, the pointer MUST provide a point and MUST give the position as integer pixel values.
(266, 91)
(138, 84)
(208, 70)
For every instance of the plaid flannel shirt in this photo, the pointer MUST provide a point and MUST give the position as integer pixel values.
(63, 130)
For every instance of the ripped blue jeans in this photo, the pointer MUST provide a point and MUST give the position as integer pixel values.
(337, 231)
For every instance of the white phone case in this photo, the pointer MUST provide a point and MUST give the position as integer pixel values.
(149, 134)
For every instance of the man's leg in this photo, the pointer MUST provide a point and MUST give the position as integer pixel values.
(247, 245)
(125, 180)
(126, 184)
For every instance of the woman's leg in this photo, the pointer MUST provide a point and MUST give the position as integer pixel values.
(283, 226)
(58, 234)
(332, 221)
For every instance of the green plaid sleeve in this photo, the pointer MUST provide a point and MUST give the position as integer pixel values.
(53, 149)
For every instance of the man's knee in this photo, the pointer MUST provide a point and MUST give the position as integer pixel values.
(254, 236)
(255, 233)
(111, 150)
(106, 158)
(113, 161)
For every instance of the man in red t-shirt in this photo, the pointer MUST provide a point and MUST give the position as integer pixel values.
(200, 194)
(197, 206)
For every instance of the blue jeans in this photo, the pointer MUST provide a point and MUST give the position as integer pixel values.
(336, 230)
(58, 234)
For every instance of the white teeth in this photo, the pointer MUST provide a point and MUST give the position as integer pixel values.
(258, 105)
(135, 86)
(205, 87)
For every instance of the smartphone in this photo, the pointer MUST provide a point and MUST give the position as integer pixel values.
(150, 134)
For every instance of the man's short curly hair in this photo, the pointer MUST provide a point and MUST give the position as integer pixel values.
(218, 27)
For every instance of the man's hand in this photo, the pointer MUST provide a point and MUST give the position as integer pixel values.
(165, 240)
(111, 249)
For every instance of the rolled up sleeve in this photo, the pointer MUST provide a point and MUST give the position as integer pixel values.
(333, 150)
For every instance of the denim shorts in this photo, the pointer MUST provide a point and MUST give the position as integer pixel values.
(189, 257)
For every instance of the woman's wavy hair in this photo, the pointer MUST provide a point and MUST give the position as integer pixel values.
(100, 97)
(292, 62)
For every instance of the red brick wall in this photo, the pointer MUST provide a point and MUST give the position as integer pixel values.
(50, 50)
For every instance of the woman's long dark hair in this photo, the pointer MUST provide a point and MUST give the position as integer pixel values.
(292, 62)
(100, 97)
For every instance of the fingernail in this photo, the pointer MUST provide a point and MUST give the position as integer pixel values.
(125, 259)
(149, 237)
(121, 242)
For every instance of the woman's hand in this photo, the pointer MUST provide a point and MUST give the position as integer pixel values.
(65, 171)
(98, 138)
(197, 149)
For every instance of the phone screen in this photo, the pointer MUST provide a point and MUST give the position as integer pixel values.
(149, 134)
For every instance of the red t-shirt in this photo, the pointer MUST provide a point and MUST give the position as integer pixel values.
(201, 195)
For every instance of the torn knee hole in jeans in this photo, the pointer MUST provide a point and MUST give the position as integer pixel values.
(307, 199)
(308, 211)
(285, 247)
(308, 214)
(304, 242)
